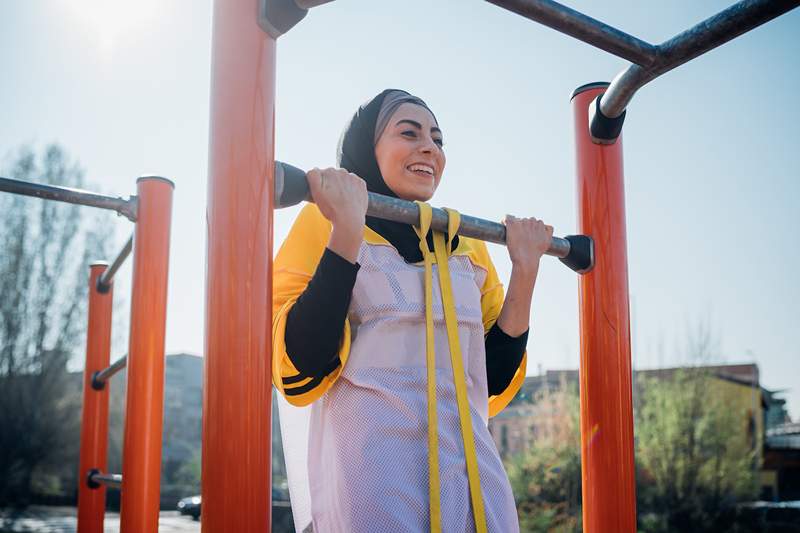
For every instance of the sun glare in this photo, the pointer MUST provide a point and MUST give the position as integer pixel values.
(109, 21)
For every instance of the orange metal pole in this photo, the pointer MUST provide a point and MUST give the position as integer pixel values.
(144, 404)
(237, 387)
(609, 490)
(94, 420)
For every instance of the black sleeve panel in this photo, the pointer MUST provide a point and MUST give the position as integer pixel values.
(315, 322)
(503, 357)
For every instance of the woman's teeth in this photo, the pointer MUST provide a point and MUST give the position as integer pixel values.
(421, 169)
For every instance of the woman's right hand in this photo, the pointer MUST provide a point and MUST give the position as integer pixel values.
(342, 198)
(340, 195)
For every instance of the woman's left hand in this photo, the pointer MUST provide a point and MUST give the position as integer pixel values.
(527, 239)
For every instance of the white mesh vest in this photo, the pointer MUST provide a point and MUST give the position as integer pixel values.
(357, 458)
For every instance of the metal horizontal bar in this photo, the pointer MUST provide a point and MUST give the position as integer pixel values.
(291, 188)
(105, 279)
(584, 28)
(406, 212)
(99, 378)
(109, 480)
(126, 208)
(697, 40)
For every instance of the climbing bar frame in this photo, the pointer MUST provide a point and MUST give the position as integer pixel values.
(97, 478)
(648, 61)
(126, 208)
(697, 40)
(607, 465)
(104, 282)
(100, 377)
(237, 453)
(144, 402)
(584, 28)
(94, 418)
(240, 249)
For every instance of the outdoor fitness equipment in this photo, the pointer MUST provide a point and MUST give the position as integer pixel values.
(236, 442)
(291, 188)
(151, 210)
(240, 249)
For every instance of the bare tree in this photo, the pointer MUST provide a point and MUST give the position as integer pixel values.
(45, 248)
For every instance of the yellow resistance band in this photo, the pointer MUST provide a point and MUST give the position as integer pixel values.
(442, 251)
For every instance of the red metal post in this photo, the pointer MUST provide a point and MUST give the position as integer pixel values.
(94, 420)
(609, 490)
(237, 386)
(144, 403)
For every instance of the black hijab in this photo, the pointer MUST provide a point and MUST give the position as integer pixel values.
(356, 154)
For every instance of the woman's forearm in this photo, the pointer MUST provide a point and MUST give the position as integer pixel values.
(515, 316)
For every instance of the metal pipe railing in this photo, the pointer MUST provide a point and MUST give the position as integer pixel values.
(126, 208)
(584, 28)
(697, 40)
(291, 187)
(648, 61)
(100, 378)
(104, 281)
(96, 478)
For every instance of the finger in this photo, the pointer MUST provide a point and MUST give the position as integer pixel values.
(313, 177)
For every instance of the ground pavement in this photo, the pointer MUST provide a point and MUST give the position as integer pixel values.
(63, 520)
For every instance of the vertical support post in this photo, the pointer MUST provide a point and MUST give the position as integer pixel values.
(607, 463)
(236, 477)
(94, 418)
(144, 403)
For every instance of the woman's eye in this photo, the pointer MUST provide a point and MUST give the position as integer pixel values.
(409, 133)
(440, 142)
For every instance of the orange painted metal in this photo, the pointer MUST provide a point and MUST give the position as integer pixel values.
(94, 419)
(144, 403)
(236, 477)
(609, 490)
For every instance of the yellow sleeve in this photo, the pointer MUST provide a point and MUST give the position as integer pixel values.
(492, 297)
(293, 268)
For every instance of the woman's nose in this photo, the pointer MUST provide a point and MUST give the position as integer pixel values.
(427, 145)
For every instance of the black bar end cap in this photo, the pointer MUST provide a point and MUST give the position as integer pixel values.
(603, 129)
(92, 484)
(581, 254)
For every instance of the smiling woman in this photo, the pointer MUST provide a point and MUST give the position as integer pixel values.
(400, 386)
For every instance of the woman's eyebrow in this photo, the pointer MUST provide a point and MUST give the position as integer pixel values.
(417, 125)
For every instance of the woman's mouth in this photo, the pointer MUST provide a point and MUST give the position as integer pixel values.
(425, 171)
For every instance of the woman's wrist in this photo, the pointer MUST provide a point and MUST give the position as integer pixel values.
(525, 272)
(346, 240)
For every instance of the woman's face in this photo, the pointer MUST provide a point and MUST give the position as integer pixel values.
(410, 154)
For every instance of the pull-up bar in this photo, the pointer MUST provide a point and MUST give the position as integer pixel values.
(126, 208)
(291, 187)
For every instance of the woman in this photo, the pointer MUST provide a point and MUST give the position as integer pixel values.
(351, 334)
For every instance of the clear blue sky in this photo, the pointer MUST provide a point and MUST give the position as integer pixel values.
(712, 149)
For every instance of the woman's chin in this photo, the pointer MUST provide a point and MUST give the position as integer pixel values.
(418, 195)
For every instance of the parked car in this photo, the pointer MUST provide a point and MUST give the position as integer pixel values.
(190, 506)
(280, 505)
